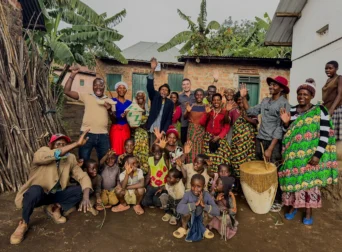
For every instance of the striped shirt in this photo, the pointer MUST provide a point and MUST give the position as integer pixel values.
(324, 129)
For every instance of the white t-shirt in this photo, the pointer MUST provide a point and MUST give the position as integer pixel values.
(138, 175)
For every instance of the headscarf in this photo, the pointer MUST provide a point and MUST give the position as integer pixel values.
(173, 130)
(311, 87)
(121, 83)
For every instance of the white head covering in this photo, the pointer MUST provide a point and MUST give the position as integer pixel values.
(146, 104)
(121, 83)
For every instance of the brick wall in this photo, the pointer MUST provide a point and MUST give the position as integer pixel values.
(201, 75)
(111, 67)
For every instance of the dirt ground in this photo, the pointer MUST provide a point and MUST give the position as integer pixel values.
(129, 232)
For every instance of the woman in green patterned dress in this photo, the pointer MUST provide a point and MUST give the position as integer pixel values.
(141, 149)
(309, 154)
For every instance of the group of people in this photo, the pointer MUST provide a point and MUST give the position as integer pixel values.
(185, 156)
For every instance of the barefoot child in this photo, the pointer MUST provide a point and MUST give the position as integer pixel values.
(96, 180)
(132, 188)
(158, 169)
(225, 224)
(175, 189)
(110, 179)
(195, 208)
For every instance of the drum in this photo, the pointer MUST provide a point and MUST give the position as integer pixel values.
(134, 115)
(259, 185)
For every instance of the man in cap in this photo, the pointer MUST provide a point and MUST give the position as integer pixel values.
(52, 167)
(270, 132)
(97, 109)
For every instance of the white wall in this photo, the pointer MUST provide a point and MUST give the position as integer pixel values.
(315, 15)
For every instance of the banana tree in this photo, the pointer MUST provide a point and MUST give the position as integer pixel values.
(195, 39)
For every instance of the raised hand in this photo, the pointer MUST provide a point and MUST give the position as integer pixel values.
(243, 90)
(187, 147)
(74, 70)
(231, 105)
(154, 64)
(216, 75)
(207, 108)
(157, 133)
(162, 143)
(83, 139)
(128, 168)
(220, 197)
(179, 162)
(188, 107)
(285, 116)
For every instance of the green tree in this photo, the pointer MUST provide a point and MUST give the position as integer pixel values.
(88, 34)
(245, 39)
(196, 39)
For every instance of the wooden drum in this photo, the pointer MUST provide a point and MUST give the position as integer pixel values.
(259, 185)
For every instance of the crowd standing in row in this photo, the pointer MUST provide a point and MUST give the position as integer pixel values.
(185, 156)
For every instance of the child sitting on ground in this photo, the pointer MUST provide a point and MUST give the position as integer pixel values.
(96, 180)
(158, 170)
(223, 171)
(129, 149)
(110, 179)
(132, 188)
(199, 166)
(175, 189)
(225, 224)
(194, 209)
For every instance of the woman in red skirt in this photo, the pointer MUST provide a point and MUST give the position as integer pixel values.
(120, 130)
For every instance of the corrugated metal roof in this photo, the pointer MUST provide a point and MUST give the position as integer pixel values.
(32, 16)
(144, 51)
(287, 13)
(276, 62)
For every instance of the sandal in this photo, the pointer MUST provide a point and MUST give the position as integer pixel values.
(290, 216)
(138, 210)
(208, 234)
(275, 208)
(180, 233)
(99, 207)
(308, 221)
(166, 217)
(120, 208)
(108, 206)
(173, 221)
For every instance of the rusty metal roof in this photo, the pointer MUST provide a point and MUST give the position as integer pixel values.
(287, 14)
(275, 62)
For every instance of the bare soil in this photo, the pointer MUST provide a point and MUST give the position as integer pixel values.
(129, 232)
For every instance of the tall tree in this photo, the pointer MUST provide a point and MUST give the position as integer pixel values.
(197, 37)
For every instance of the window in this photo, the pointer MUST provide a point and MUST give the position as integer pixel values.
(112, 79)
(175, 82)
(81, 82)
(253, 86)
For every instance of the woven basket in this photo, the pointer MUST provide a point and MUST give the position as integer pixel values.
(134, 115)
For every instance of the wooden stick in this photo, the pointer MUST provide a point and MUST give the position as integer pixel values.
(263, 154)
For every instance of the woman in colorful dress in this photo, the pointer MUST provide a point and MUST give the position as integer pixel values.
(142, 149)
(177, 111)
(120, 130)
(216, 123)
(196, 131)
(243, 136)
(309, 154)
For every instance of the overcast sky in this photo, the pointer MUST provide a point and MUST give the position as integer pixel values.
(158, 20)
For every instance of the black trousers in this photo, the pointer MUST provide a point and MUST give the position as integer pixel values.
(184, 135)
(151, 198)
(36, 197)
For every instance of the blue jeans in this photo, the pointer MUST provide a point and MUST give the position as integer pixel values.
(98, 141)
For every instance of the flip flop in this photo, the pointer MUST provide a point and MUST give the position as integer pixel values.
(99, 207)
(208, 234)
(108, 206)
(173, 221)
(290, 216)
(138, 210)
(120, 208)
(166, 217)
(180, 233)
